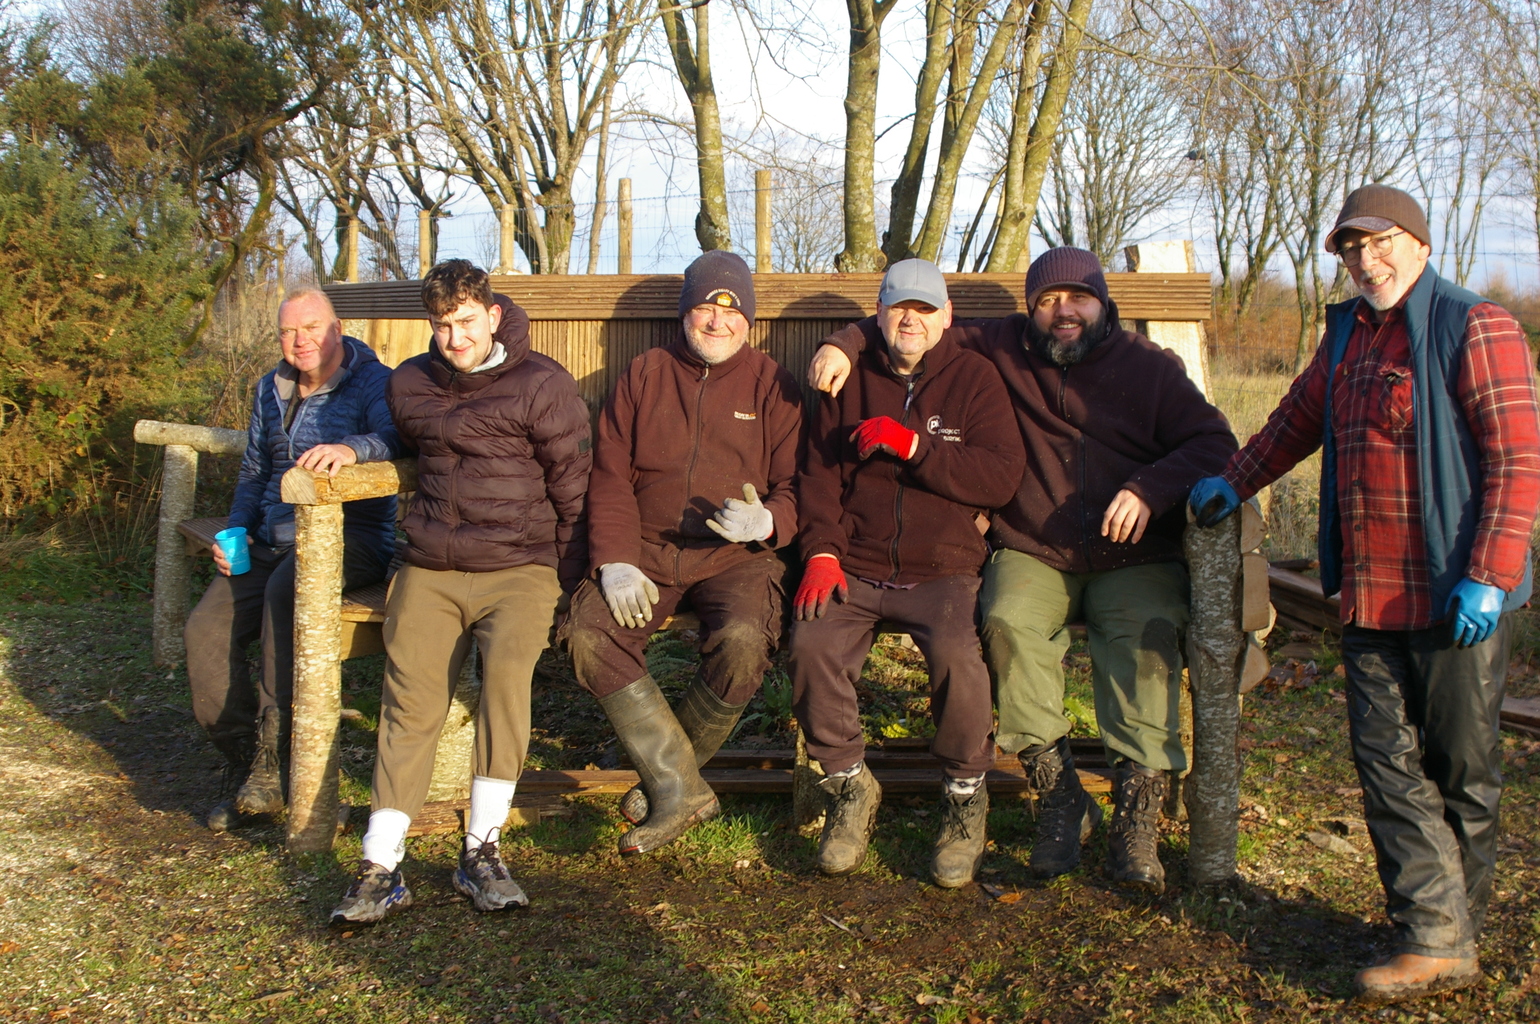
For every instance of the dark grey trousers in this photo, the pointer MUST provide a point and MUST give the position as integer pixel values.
(1423, 715)
(234, 611)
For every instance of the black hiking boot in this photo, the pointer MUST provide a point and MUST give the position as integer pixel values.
(659, 749)
(707, 720)
(1133, 841)
(850, 815)
(960, 846)
(262, 792)
(238, 752)
(1066, 814)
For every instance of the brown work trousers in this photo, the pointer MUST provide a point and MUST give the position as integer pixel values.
(740, 614)
(827, 654)
(430, 619)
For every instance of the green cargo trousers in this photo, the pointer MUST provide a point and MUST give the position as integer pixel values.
(1135, 618)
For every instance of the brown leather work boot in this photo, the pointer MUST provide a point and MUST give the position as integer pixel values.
(262, 792)
(1133, 840)
(1411, 976)
(850, 815)
(1066, 814)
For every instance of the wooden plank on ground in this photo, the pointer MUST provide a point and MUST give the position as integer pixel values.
(1521, 715)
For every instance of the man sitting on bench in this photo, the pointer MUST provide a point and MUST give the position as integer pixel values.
(496, 533)
(689, 425)
(898, 467)
(322, 408)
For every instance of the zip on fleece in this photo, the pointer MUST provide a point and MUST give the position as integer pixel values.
(454, 474)
(689, 473)
(898, 474)
(1085, 526)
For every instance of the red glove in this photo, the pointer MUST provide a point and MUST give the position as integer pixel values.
(822, 578)
(887, 434)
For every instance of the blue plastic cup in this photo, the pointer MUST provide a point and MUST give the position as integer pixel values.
(237, 552)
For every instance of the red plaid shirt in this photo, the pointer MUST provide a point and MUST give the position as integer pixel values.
(1384, 578)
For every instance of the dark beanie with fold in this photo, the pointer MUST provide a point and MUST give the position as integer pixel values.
(1066, 267)
(718, 278)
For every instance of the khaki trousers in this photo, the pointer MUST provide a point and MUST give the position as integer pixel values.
(430, 619)
(1135, 619)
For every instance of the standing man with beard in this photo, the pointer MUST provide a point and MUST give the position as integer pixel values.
(1116, 434)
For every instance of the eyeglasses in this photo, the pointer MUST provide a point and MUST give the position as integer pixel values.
(1379, 246)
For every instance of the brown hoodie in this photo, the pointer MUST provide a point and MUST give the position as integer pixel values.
(910, 521)
(676, 439)
(1127, 415)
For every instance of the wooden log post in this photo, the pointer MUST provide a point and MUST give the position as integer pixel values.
(763, 181)
(1215, 653)
(178, 491)
(314, 752)
(178, 488)
(623, 226)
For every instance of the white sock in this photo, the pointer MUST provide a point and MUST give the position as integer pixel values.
(385, 842)
(848, 773)
(963, 787)
(490, 800)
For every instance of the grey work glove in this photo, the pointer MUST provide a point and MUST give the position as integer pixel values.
(743, 522)
(628, 592)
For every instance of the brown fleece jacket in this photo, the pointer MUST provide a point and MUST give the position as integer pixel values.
(1125, 416)
(910, 521)
(676, 439)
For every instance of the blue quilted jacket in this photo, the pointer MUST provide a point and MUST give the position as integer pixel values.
(350, 409)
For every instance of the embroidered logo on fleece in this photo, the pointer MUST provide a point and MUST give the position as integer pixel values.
(933, 426)
(745, 415)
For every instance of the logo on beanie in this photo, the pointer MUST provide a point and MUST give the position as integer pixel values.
(723, 297)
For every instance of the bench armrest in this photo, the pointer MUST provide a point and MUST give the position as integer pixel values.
(352, 483)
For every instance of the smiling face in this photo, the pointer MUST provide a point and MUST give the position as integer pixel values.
(464, 335)
(911, 329)
(310, 336)
(1066, 323)
(715, 333)
(1385, 280)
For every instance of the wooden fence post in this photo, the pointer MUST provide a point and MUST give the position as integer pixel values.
(353, 248)
(178, 486)
(623, 226)
(762, 185)
(317, 677)
(1215, 652)
(424, 243)
(505, 242)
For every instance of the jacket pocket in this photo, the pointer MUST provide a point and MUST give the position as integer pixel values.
(1396, 398)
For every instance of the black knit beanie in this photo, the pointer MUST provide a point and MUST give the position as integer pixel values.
(718, 278)
(1066, 266)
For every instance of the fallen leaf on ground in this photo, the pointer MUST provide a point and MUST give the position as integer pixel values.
(926, 999)
(273, 997)
(9, 947)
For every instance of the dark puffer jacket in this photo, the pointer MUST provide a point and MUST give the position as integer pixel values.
(348, 409)
(503, 459)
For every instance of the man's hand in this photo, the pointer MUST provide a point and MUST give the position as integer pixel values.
(1126, 518)
(1476, 608)
(829, 370)
(327, 458)
(884, 433)
(221, 563)
(628, 592)
(822, 579)
(745, 521)
(1212, 501)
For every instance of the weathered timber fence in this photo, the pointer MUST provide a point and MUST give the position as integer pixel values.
(595, 325)
(178, 488)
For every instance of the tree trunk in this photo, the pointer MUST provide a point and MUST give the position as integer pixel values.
(313, 757)
(959, 134)
(1215, 654)
(905, 196)
(861, 254)
(1030, 149)
(694, 69)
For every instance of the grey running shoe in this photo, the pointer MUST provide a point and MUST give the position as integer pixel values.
(484, 878)
(374, 893)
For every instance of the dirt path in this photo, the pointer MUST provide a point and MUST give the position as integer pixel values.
(115, 904)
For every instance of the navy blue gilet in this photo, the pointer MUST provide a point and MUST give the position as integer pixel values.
(1448, 461)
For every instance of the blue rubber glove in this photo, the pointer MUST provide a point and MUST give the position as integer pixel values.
(1475, 618)
(1212, 500)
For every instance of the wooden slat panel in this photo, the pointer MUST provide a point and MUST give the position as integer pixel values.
(841, 297)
